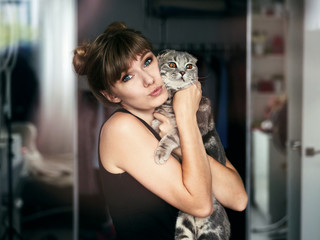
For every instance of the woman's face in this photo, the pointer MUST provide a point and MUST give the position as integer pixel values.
(141, 88)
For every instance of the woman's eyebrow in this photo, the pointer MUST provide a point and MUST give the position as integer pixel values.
(145, 53)
(141, 58)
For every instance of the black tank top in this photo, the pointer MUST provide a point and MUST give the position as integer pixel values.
(137, 213)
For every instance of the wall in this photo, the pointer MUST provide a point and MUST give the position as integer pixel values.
(95, 15)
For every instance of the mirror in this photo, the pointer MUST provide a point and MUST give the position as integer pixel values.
(38, 119)
(267, 120)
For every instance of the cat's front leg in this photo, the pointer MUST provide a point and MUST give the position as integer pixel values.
(155, 125)
(166, 145)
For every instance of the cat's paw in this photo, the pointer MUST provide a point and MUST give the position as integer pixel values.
(161, 156)
(155, 125)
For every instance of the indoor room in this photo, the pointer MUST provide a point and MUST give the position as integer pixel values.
(258, 64)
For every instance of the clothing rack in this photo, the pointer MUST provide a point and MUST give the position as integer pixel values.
(206, 50)
(213, 48)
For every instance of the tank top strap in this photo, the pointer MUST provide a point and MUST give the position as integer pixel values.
(141, 120)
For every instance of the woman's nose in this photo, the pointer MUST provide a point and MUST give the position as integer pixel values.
(147, 79)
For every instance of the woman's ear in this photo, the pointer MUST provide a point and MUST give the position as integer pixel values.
(112, 98)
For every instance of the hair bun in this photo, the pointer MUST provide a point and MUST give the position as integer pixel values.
(116, 26)
(80, 59)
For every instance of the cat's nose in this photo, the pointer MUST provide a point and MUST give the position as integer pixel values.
(182, 73)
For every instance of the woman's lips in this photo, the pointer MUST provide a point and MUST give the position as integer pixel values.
(156, 92)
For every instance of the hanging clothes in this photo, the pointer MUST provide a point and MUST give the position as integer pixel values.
(222, 120)
(213, 76)
(209, 80)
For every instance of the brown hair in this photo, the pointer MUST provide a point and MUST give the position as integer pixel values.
(110, 54)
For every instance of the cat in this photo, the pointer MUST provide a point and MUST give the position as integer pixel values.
(178, 71)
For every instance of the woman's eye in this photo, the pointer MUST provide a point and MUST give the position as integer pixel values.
(126, 78)
(172, 65)
(189, 66)
(148, 62)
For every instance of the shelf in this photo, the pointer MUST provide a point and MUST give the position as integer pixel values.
(264, 94)
(266, 18)
(268, 61)
(269, 56)
(263, 97)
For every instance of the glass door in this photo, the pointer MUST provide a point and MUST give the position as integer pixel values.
(267, 114)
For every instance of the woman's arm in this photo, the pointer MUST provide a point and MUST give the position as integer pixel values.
(195, 163)
(227, 185)
(127, 145)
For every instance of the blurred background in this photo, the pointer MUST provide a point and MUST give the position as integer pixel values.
(258, 62)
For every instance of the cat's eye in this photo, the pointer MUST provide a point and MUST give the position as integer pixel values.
(172, 65)
(126, 78)
(189, 66)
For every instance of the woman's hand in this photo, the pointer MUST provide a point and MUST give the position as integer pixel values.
(186, 101)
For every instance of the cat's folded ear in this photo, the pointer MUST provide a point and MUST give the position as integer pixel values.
(164, 53)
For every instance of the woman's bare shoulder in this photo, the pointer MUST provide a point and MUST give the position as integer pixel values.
(120, 125)
(116, 121)
(121, 135)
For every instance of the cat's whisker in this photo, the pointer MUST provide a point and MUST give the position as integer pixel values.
(204, 77)
(202, 80)
(199, 88)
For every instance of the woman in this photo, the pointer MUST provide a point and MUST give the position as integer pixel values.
(143, 197)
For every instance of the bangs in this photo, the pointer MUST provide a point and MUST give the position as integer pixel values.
(123, 49)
